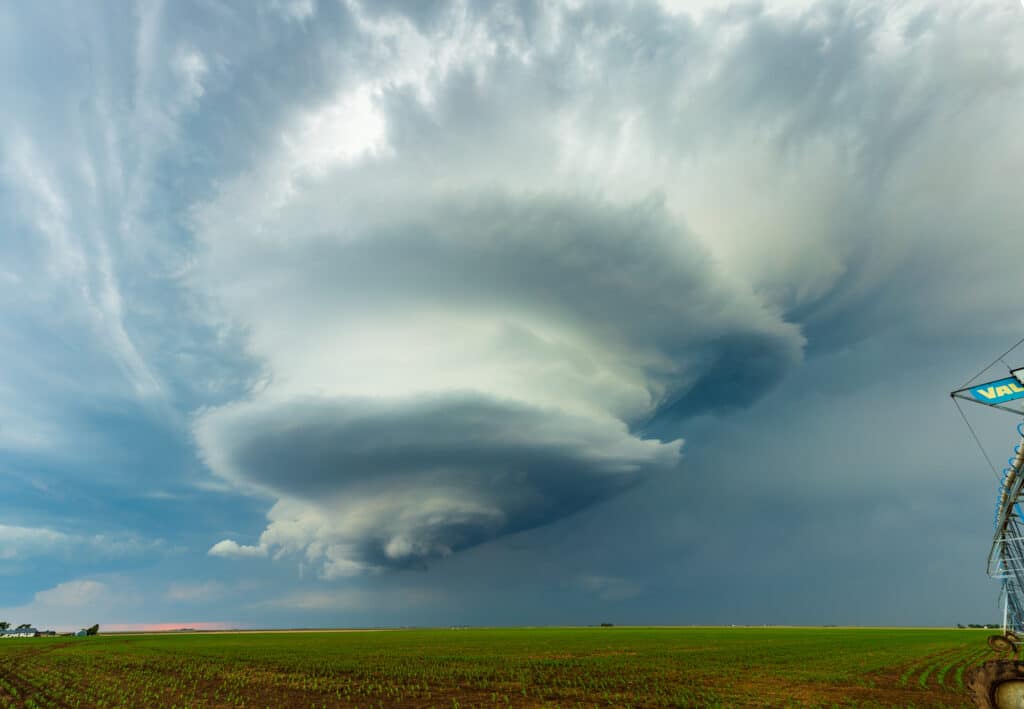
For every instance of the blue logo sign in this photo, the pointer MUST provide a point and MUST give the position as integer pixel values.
(997, 392)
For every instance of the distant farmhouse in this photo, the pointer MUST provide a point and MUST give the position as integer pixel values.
(22, 632)
(27, 631)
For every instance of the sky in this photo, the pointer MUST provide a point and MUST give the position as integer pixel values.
(322, 313)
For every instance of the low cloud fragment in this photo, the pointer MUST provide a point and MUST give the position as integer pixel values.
(231, 549)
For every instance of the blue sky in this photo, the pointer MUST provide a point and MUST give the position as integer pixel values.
(352, 313)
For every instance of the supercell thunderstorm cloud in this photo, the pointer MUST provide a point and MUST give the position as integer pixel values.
(477, 368)
(469, 274)
(468, 337)
(362, 289)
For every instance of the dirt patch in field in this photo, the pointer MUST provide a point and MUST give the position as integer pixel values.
(785, 694)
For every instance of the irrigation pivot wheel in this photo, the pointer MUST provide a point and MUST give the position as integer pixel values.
(997, 684)
(1001, 643)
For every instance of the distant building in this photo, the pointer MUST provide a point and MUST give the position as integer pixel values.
(19, 633)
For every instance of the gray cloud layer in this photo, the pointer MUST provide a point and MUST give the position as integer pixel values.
(374, 484)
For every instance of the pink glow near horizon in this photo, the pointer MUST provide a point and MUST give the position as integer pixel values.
(158, 627)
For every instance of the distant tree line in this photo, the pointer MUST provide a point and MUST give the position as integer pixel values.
(990, 626)
(4, 625)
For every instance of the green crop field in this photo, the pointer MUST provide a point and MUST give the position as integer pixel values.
(573, 667)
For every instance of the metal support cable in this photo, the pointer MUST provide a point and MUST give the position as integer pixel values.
(996, 361)
(976, 439)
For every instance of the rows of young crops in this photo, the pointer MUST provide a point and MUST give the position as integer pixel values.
(522, 667)
(944, 669)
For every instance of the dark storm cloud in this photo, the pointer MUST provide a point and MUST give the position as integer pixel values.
(400, 482)
(310, 449)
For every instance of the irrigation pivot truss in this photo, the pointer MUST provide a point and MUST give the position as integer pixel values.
(999, 683)
(1006, 555)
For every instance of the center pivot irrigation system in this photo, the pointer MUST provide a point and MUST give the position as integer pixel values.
(1000, 683)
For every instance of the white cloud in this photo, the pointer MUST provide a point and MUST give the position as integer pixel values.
(75, 604)
(231, 549)
(73, 594)
(19, 544)
(340, 133)
(190, 66)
